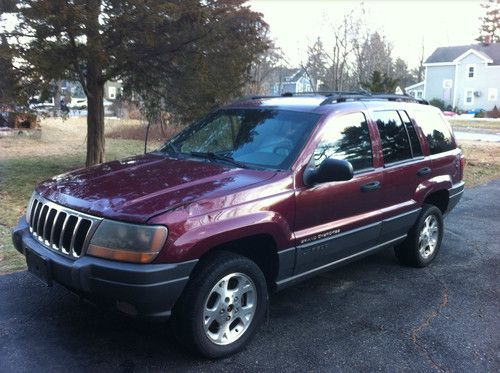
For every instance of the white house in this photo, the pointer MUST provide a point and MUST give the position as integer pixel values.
(296, 82)
(466, 77)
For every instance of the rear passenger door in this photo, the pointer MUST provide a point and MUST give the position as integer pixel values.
(405, 168)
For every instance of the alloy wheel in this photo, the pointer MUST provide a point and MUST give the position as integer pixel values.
(229, 308)
(428, 238)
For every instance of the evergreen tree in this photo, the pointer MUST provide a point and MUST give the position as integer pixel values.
(187, 54)
(490, 22)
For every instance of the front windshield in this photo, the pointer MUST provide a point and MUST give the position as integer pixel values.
(268, 138)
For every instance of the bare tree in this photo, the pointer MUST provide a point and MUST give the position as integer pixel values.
(419, 71)
(316, 65)
(334, 65)
(340, 55)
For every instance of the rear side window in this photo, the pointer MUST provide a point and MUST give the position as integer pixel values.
(393, 136)
(346, 137)
(416, 149)
(436, 131)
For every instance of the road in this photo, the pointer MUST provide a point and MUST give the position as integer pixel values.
(370, 315)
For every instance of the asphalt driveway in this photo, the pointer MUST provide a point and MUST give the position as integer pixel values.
(370, 315)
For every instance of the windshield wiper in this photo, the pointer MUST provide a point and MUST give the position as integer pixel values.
(220, 157)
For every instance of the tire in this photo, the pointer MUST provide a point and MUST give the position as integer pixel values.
(417, 251)
(223, 304)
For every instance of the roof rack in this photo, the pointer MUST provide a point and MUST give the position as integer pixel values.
(355, 96)
(344, 96)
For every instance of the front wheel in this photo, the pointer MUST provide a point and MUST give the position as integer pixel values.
(424, 239)
(222, 305)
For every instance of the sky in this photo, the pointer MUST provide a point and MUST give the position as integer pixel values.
(295, 24)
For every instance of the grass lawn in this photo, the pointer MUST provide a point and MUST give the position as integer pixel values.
(24, 162)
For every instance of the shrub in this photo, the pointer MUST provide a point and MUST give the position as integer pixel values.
(437, 103)
(495, 113)
(480, 114)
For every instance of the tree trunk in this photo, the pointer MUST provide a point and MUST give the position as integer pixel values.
(95, 124)
(95, 86)
(57, 99)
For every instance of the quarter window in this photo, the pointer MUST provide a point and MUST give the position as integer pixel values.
(393, 136)
(346, 137)
(436, 131)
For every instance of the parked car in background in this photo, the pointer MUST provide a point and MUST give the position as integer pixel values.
(255, 197)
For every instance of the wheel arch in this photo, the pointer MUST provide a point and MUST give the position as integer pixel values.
(438, 198)
(260, 248)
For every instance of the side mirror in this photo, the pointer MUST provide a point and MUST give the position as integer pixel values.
(329, 170)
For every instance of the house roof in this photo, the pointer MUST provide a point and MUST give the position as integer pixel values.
(296, 75)
(416, 85)
(449, 54)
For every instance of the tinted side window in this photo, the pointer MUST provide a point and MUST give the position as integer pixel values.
(393, 136)
(435, 130)
(415, 144)
(346, 137)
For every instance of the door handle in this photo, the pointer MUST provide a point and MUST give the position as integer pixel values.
(424, 171)
(372, 185)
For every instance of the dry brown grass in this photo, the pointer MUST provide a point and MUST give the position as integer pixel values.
(482, 162)
(59, 137)
(137, 131)
(476, 125)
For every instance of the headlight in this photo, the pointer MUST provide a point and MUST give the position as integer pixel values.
(127, 242)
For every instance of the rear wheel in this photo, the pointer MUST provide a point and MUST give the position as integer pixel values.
(224, 302)
(424, 239)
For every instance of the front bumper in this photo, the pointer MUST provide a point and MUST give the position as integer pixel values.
(146, 290)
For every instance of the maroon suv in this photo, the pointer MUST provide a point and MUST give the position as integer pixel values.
(256, 196)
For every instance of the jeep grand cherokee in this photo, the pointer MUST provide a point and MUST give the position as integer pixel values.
(256, 196)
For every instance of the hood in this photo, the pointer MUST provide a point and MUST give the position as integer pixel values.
(138, 188)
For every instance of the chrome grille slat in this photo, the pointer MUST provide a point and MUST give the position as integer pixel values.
(30, 207)
(41, 220)
(59, 228)
(73, 236)
(51, 240)
(63, 230)
(34, 221)
(45, 225)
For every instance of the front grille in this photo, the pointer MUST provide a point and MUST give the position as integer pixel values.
(59, 228)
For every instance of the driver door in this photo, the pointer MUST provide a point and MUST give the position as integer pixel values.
(335, 220)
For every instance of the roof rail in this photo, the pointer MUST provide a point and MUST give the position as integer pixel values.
(343, 96)
(355, 96)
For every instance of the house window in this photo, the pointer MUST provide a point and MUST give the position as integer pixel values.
(112, 92)
(492, 94)
(471, 71)
(419, 94)
(469, 97)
